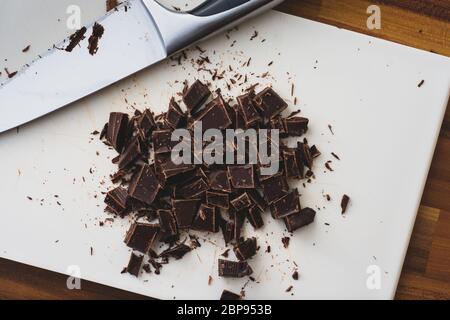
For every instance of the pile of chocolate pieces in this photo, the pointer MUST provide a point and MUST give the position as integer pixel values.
(169, 200)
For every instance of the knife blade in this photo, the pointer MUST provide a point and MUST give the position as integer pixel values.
(138, 34)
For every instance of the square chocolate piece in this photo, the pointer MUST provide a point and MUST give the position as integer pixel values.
(117, 199)
(299, 219)
(162, 141)
(275, 188)
(270, 103)
(207, 219)
(195, 96)
(141, 236)
(247, 109)
(296, 126)
(219, 181)
(145, 185)
(285, 206)
(242, 177)
(185, 211)
(234, 269)
(215, 116)
(194, 189)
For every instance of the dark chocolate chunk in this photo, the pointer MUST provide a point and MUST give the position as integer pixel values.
(185, 210)
(315, 152)
(207, 219)
(257, 199)
(194, 189)
(254, 217)
(295, 275)
(270, 103)
(167, 222)
(146, 124)
(162, 141)
(134, 265)
(285, 206)
(116, 199)
(296, 126)
(246, 249)
(228, 231)
(116, 133)
(219, 181)
(176, 252)
(304, 154)
(145, 185)
(241, 202)
(215, 115)
(75, 39)
(274, 188)
(97, 33)
(300, 219)
(242, 177)
(218, 199)
(131, 153)
(247, 109)
(195, 96)
(174, 116)
(141, 236)
(290, 161)
(228, 295)
(285, 241)
(234, 269)
(344, 203)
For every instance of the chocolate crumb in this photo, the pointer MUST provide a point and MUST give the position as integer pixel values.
(344, 203)
(421, 83)
(295, 275)
(285, 241)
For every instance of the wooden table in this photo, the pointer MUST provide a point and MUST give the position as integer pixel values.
(426, 272)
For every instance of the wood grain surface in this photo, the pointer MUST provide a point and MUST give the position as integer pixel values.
(426, 272)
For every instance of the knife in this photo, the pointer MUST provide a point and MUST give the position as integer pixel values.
(138, 34)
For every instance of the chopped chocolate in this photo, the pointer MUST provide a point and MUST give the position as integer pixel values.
(242, 177)
(295, 275)
(285, 241)
(26, 48)
(117, 130)
(285, 206)
(195, 96)
(247, 109)
(134, 265)
(421, 83)
(145, 185)
(131, 153)
(97, 33)
(219, 181)
(228, 231)
(195, 189)
(254, 217)
(215, 115)
(270, 103)
(174, 116)
(275, 188)
(176, 252)
(296, 126)
(167, 222)
(218, 199)
(300, 219)
(141, 236)
(116, 199)
(291, 167)
(241, 202)
(146, 124)
(314, 152)
(344, 203)
(75, 39)
(207, 219)
(335, 155)
(234, 269)
(246, 249)
(228, 295)
(225, 253)
(162, 141)
(185, 210)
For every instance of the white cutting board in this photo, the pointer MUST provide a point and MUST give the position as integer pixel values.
(385, 129)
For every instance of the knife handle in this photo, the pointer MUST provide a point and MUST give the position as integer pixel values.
(179, 30)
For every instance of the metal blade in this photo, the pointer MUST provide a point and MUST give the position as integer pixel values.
(130, 42)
